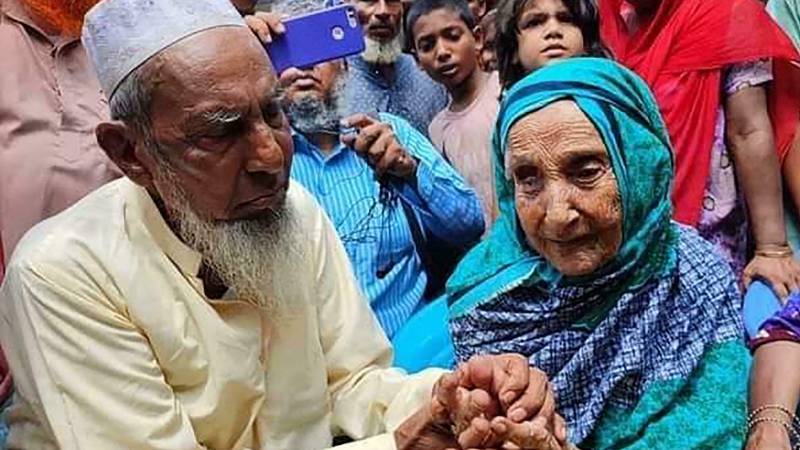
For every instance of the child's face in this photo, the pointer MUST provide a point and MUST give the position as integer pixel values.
(547, 33)
(445, 47)
(478, 8)
(487, 56)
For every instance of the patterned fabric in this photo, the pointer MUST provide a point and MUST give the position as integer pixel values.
(723, 220)
(374, 228)
(616, 343)
(783, 326)
(624, 112)
(658, 333)
(411, 94)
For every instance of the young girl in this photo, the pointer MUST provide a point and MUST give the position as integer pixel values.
(532, 33)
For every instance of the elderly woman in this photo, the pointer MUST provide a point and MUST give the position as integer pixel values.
(634, 318)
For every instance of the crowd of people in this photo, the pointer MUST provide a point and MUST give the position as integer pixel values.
(527, 224)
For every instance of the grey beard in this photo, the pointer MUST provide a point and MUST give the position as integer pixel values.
(382, 53)
(259, 259)
(310, 113)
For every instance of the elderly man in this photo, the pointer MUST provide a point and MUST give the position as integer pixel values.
(204, 301)
(388, 179)
(382, 78)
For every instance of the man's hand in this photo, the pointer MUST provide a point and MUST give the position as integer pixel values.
(489, 402)
(377, 144)
(265, 25)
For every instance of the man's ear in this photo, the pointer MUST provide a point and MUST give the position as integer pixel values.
(119, 143)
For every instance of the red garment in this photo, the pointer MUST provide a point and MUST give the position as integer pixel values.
(682, 52)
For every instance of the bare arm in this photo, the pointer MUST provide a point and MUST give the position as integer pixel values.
(752, 146)
(774, 380)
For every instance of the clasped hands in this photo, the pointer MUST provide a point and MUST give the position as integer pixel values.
(489, 402)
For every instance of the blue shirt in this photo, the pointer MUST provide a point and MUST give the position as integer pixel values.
(376, 235)
(412, 94)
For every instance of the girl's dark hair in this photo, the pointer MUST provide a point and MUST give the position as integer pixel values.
(584, 13)
(424, 7)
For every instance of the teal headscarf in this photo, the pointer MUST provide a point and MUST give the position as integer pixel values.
(626, 115)
(787, 14)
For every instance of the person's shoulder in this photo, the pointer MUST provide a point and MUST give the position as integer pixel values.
(67, 243)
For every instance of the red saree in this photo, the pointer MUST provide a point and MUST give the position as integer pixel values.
(682, 52)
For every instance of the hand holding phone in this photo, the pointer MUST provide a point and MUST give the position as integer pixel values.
(314, 38)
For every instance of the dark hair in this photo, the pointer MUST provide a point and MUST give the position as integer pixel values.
(422, 7)
(586, 18)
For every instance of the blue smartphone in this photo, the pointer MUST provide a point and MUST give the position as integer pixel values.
(317, 37)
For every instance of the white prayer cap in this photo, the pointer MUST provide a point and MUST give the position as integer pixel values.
(121, 35)
(295, 7)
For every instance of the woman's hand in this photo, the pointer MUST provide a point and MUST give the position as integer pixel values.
(782, 273)
(768, 436)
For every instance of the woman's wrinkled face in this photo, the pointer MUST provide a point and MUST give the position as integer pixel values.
(566, 194)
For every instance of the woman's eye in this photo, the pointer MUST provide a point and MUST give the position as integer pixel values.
(528, 181)
(589, 173)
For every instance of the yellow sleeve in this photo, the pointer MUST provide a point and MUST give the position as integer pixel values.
(85, 376)
(368, 396)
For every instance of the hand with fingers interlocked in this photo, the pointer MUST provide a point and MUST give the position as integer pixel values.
(489, 402)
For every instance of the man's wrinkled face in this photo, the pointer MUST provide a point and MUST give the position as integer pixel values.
(566, 193)
(318, 81)
(216, 117)
(313, 98)
(63, 17)
(381, 19)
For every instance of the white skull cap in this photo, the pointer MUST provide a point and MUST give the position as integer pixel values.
(121, 35)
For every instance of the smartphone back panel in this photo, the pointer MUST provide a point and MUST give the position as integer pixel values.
(317, 37)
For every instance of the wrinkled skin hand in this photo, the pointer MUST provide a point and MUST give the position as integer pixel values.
(768, 436)
(782, 273)
(265, 25)
(377, 144)
(488, 402)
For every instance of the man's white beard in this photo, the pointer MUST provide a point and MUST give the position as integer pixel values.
(310, 113)
(382, 53)
(259, 259)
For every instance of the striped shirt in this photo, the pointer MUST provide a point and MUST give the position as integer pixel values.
(374, 229)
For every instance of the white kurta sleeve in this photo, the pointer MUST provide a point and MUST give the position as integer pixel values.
(368, 396)
(86, 373)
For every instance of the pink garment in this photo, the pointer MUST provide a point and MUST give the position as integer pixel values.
(50, 103)
(465, 139)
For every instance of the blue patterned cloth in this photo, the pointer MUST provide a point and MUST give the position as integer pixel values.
(658, 333)
(376, 234)
(411, 95)
(633, 347)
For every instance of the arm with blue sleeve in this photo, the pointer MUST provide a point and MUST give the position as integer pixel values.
(443, 202)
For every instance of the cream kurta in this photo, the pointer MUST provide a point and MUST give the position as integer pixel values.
(113, 344)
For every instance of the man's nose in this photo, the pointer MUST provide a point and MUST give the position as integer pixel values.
(265, 154)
